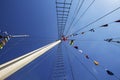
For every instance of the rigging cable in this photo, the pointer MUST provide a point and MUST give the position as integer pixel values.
(75, 15)
(60, 17)
(97, 63)
(69, 62)
(67, 19)
(97, 19)
(63, 16)
(94, 29)
(83, 14)
(76, 8)
(84, 66)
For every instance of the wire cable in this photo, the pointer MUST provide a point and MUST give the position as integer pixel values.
(84, 13)
(67, 18)
(76, 57)
(61, 23)
(75, 15)
(97, 19)
(69, 62)
(63, 16)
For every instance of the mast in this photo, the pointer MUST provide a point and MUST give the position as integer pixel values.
(14, 36)
(14, 65)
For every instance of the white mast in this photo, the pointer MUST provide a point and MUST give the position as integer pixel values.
(14, 36)
(14, 65)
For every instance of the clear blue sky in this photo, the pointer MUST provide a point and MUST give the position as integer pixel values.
(38, 19)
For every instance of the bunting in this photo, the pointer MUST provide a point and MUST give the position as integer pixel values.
(105, 25)
(94, 29)
(109, 72)
(87, 57)
(96, 63)
(76, 47)
(4, 41)
(71, 42)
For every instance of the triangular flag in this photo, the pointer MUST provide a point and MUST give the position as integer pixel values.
(75, 34)
(80, 51)
(92, 30)
(105, 25)
(71, 42)
(86, 56)
(1, 45)
(82, 32)
(117, 41)
(109, 72)
(96, 63)
(3, 42)
(117, 21)
(76, 47)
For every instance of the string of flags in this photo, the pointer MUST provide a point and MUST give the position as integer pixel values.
(112, 40)
(4, 41)
(71, 42)
(5, 37)
(93, 29)
(94, 61)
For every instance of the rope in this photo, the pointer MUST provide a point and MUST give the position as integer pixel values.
(75, 15)
(94, 29)
(63, 15)
(75, 11)
(84, 13)
(92, 60)
(69, 62)
(84, 65)
(97, 19)
(67, 18)
(61, 25)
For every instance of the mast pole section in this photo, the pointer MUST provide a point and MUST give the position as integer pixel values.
(14, 65)
(14, 36)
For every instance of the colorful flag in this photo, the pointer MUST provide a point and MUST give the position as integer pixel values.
(1, 45)
(96, 63)
(86, 56)
(76, 47)
(109, 72)
(117, 21)
(71, 42)
(80, 51)
(105, 25)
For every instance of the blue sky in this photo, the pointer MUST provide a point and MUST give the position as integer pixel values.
(38, 19)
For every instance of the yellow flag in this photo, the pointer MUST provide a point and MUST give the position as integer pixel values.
(96, 63)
